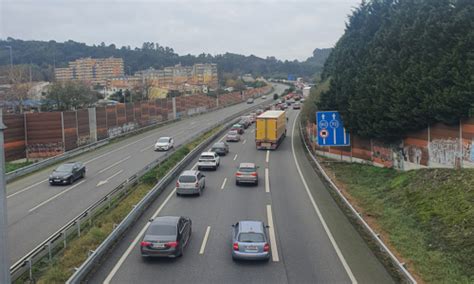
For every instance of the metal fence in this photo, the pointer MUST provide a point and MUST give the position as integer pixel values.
(59, 239)
(371, 233)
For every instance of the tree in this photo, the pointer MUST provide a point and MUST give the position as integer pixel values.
(70, 95)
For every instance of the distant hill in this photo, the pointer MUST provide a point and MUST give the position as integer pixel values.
(46, 54)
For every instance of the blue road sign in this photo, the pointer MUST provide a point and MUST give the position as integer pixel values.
(331, 131)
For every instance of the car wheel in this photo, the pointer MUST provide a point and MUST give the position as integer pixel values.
(237, 182)
(199, 192)
(70, 180)
(83, 174)
(178, 194)
(199, 168)
(180, 252)
(256, 183)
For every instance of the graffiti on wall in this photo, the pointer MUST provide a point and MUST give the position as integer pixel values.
(83, 140)
(412, 154)
(115, 131)
(468, 151)
(40, 151)
(444, 151)
(382, 153)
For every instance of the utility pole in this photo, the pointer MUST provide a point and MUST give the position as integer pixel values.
(4, 259)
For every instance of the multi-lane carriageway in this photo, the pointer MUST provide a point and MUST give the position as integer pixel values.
(36, 209)
(311, 239)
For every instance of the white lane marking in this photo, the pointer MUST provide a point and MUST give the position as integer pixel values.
(136, 240)
(102, 182)
(235, 157)
(146, 148)
(316, 208)
(120, 148)
(55, 196)
(223, 183)
(273, 243)
(267, 181)
(114, 164)
(253, 130)
(204, 241)
(268, 156)
(26, 188)
(244, 141)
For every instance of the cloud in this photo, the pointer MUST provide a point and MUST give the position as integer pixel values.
(284, 29)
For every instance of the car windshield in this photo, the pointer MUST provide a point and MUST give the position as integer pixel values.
(163, 140)
(251, 238)
(187, 179)
(162, 230)
(65, 168)
(247, 170)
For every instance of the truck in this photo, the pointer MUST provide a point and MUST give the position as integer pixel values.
(270, 129)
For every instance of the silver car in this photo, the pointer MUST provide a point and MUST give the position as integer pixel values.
(250, 241)
(246, 173)
(190, 182)
(232, 136)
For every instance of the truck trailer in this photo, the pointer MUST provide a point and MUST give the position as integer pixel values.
(270, 129)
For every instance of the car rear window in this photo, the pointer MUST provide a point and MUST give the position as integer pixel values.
(162, 230)
(187, 179)
(251, 238)
(206, 157)
(232, 132)
(163, 140)
(247, 170)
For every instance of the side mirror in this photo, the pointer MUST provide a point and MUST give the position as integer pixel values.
(233, 225)
(266, 226)
(151, 220)
(258, 167)
(203, 176)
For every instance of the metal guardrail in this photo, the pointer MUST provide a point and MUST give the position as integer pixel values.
(73, 227)
(374, 236)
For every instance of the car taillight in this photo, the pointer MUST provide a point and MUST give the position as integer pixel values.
(145, 244)
(238, 174)
(266, 247)
(197, 184)
(236, 246)
(177, 184)
(172, 244)
(253, 174)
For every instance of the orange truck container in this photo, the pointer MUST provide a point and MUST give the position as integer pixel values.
(270, 129)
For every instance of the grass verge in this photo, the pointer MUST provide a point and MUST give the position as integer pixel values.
(426, 216)
(10, 167)
(63, 264)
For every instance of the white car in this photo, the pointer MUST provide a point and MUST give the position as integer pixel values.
(164, 144)
(208, 160)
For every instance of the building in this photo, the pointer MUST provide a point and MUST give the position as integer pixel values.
(95, 71)
(192, 79)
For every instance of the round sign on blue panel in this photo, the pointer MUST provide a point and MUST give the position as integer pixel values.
(324, 133)
(323, 124)
(334, 123)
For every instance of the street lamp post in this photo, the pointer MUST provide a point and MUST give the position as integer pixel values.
(4, 259)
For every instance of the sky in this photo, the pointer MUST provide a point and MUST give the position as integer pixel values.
(286, 29)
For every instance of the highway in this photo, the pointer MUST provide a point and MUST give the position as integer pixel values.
(36, 209)
(311, 239)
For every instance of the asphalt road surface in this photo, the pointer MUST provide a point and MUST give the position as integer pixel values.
(36, 209)
(311, 239)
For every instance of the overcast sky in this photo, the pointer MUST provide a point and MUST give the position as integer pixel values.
(286, 29)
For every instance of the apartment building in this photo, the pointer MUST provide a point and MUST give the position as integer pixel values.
(95, 71)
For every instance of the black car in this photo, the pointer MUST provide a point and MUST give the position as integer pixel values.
(166, 237)
(220, 148)
(67, 173)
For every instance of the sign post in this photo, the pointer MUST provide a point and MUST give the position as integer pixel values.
(330, 129)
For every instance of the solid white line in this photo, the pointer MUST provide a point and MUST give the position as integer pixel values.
(267, 181)
(26, 188)
(316, 208)
(54, 197)
(204, 241)
(244, 141)
(136, 240)
(223, 184)
(253, 130)
(268, 156)
(273, 243)
(235, 157)
(114, 164)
